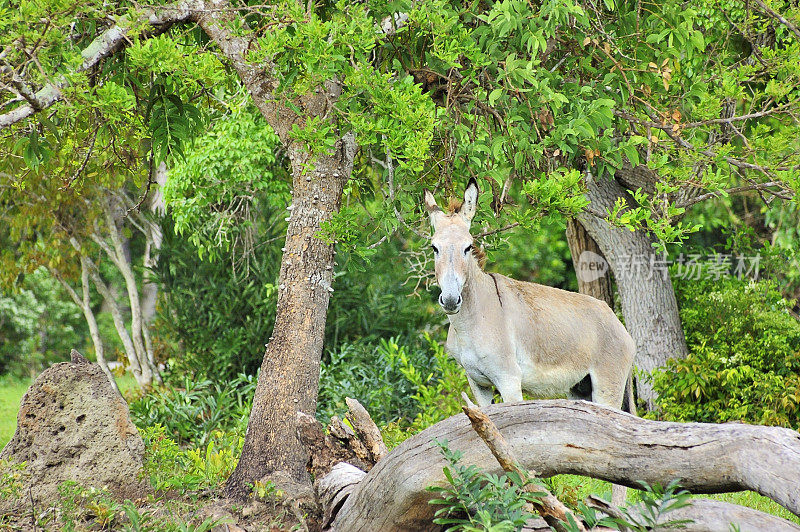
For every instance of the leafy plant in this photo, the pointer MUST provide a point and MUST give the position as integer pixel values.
(744, 361)
(191, 411)
(474, 500)
(656, 502)
(11, 474)
(169, 467)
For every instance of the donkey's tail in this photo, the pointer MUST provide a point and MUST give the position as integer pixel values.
(629, 402)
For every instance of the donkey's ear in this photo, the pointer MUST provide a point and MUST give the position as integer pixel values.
(470, 204)
(432, 207)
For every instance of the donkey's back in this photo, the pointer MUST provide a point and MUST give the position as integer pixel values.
(515, 336)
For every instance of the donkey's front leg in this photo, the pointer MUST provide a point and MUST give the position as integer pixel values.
(483, 394)
(510, 388)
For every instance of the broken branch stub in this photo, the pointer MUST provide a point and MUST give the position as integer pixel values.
(554, 512)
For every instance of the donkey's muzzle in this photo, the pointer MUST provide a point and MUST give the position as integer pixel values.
(450, 304)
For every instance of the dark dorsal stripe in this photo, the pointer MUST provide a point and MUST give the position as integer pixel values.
(496, 289)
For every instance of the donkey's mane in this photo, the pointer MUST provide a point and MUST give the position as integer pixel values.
(453, 206)
(480, 256)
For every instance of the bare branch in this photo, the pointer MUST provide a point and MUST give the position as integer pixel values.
(549, 507)
(737, 190)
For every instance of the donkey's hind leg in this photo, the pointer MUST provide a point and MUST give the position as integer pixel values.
(610, 391)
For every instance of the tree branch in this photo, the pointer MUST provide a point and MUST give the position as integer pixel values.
(106, 44)
(549, 507)
(736, 190)
(777, 16)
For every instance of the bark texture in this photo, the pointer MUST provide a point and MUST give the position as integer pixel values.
(580, 241)
(578, 437)
(645, 289)
(289, 378)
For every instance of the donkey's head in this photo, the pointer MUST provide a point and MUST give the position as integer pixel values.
(452, 246)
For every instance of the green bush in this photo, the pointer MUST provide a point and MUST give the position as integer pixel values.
(168, 466)
(190, 412)
(475, 501)
(744, 361)
(220, 315)
(403, 388)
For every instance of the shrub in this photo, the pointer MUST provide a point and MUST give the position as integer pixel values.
(474, 501)
(744, 361)
(189, 413)
(221, 316)
(169, 467)
(405, 389)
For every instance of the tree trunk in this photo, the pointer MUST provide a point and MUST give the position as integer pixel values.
(94, 330)
(141, 371)
(580, 438)
(153, 240)
(648, 299)
(84, 302)
(591, 280)
(122, 260)
(289, 378)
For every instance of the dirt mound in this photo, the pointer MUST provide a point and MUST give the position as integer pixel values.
(72, 425)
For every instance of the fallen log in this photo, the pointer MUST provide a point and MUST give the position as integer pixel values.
(706, 515)
(582, 438)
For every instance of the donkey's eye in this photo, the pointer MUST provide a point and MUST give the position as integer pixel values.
(468, 249)
(435, 249)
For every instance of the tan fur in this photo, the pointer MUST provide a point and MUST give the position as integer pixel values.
(516, 336)
(454, 205)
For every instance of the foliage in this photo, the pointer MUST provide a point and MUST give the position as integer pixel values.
(372, 298)
(438, 393)
(11, 474)
(38, 325)
(744, 361)
(220, 315)
(169, 467)
(370, 372)
(656, 502)
(475, 501)
(225, 188)
(193, 410)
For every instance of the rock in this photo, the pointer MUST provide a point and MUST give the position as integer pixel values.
(72, 425)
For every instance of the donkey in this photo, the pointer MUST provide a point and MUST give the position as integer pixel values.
(516, 336)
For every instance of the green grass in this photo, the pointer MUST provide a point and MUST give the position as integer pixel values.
(574, 488)
(11, 391)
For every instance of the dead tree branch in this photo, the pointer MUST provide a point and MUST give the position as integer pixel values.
(577, 437)
(549, 507)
